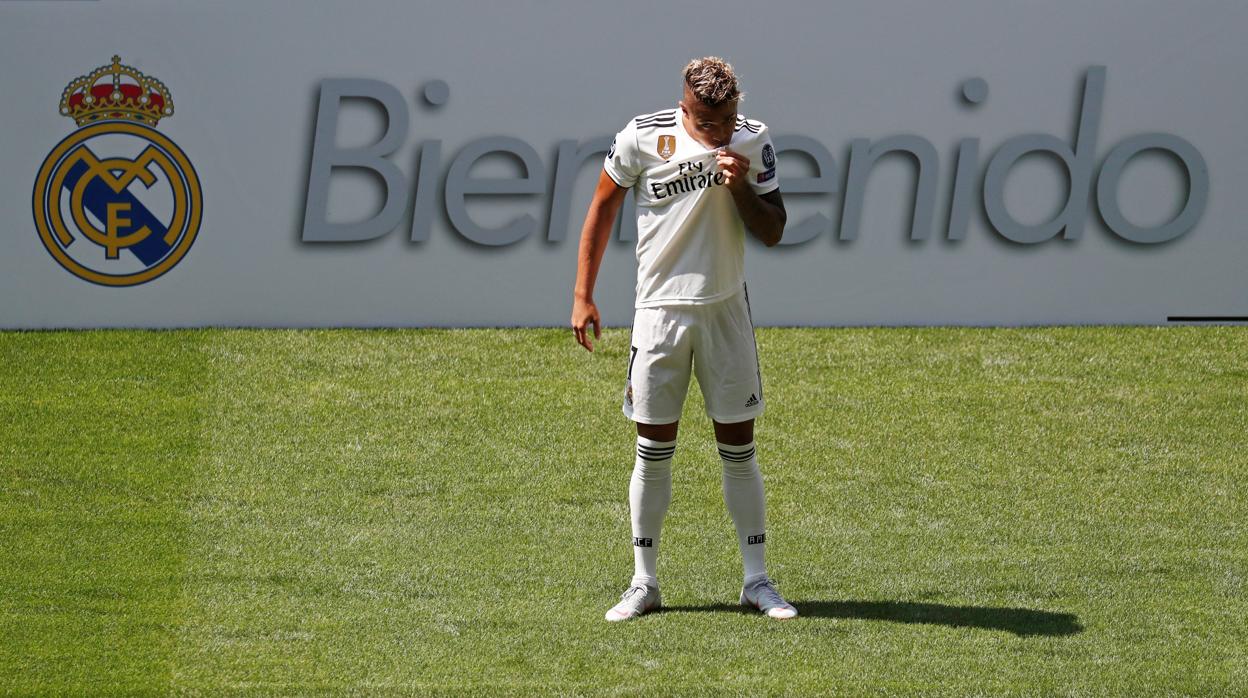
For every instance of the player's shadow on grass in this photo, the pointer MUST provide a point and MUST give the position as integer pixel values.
(1020, 621)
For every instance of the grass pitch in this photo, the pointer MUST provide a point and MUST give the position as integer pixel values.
(954, 511)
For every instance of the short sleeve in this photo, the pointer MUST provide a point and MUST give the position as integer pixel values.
(623, 163)
(763, 168)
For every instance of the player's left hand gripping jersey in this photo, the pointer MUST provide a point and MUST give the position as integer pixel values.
(690, 238)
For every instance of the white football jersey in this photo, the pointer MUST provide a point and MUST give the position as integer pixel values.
(690, 238)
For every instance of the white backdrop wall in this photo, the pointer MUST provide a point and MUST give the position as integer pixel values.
(255, 83)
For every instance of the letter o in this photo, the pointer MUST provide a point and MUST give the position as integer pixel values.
(1111, 172)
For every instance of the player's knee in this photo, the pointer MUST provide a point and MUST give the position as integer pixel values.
(735, 434)
(658, 432)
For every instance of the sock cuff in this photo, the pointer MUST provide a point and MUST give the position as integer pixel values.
(652, 582)
(736, 453)
(651, 450)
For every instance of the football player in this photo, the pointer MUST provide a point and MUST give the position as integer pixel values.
(702, 176)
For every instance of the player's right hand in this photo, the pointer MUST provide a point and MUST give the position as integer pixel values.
(585, 313)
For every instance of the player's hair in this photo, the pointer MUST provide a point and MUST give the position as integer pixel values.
(712, 81)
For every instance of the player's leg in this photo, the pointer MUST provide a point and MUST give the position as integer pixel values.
(746, 501)
(726, 363)
(744, 494)
(649, 495)
(658, 378)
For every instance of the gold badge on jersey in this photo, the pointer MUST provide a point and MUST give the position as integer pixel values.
(667, 147)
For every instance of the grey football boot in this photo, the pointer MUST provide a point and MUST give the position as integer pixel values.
(763, 596)
(638, 599)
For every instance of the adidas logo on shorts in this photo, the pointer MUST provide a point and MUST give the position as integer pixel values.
(752, 401)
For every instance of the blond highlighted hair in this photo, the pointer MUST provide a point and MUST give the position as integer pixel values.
(712, 81)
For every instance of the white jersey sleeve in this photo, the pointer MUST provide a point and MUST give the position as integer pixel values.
(763, 162)
(624, 163)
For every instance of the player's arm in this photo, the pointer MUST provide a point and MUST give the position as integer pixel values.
(763, 214)
(608, 197)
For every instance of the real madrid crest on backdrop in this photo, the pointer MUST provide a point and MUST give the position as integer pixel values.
(117, 203)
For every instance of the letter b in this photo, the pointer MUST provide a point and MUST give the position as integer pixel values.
(326, 155)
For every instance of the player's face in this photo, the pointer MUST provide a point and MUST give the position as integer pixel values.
(713, 126)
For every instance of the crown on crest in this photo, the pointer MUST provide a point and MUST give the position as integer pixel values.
(116, 92)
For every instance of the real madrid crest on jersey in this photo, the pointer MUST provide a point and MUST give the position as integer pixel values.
(117, 203)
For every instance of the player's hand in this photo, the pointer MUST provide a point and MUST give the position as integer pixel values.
(736, 168)
(585, 313)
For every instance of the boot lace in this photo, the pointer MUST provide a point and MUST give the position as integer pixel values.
(633, 591)
(767, 595)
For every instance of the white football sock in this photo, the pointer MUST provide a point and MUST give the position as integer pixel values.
(649, 494)
(743, 494)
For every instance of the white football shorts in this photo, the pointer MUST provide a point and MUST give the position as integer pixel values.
(716, 339)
